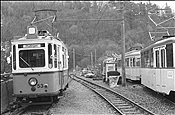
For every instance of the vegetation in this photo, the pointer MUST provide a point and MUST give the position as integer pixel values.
(83, 36)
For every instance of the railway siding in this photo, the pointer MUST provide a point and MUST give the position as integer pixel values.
(143, 96)
(119, 102)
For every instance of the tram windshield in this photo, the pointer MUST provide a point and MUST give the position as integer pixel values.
(31, 58)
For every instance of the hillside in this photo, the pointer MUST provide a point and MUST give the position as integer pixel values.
(83, 36)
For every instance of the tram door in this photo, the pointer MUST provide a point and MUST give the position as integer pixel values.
(159, 63)
(163, 72)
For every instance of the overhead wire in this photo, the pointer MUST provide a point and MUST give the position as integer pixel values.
(101, 16)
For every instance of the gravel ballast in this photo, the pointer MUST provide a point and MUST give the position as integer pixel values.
(145, 97)
(78, 99)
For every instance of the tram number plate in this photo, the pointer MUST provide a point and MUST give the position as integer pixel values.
(40, 86)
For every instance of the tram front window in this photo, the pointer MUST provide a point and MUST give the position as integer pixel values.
(31, 58)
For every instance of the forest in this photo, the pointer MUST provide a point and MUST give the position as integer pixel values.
(104, 37)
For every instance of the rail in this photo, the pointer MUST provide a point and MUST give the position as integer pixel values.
(119, 102)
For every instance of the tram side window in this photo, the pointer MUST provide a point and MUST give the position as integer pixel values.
(146, 58)
(55, 55)
(133, 59)
(162, 58)
(50, 55)
(138, 62)
(58, 59)
(151, 58)
(131, 62)
(157, 59)
(14, 57)
(65, 58)
(127, 62)
(169, 55)
(142, 60)
(63, 61)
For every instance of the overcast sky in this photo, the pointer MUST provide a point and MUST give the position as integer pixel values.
(162, 4)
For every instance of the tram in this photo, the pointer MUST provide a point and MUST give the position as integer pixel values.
(132, 65)
(153, 65)
(158, 65)
(39, 66)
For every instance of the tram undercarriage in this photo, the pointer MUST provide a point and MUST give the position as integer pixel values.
(41, 100)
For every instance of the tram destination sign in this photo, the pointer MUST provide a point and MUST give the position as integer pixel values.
(36, 45)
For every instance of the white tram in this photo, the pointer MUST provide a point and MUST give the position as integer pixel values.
(39, 66)
(132, 65)
(158, 66)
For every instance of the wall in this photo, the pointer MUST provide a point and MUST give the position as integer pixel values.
(6, 94)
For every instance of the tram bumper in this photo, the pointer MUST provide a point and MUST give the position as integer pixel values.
(36, 95)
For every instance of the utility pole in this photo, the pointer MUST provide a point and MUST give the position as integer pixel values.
(73, 59)
(95, 57)
(91, 60)
(123, 45)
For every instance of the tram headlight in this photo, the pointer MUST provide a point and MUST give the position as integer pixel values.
(33, 81)
(32, 30)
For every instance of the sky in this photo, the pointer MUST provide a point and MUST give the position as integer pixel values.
(161, 4)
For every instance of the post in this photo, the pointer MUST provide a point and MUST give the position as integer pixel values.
(52, 29)
(123, 46)
(95, 57)
(73, 59)
(91, 60)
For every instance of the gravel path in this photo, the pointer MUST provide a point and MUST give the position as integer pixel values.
(80, 100)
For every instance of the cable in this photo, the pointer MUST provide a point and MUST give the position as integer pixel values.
(101, 17)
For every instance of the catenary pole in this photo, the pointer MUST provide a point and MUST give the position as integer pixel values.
(123, 45)
(95, 57)
(91, 60)
(73, 59)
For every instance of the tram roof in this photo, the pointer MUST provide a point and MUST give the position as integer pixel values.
(133, 52)
(23, 40)
(130, 53)
(37, 38)
(163, 41)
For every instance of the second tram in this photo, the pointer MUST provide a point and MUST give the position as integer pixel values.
(132, 64)
(158, 65)
(154, 65)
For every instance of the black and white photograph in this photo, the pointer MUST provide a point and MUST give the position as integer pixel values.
(88, 57)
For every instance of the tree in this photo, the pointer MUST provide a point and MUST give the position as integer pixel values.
(84, 36)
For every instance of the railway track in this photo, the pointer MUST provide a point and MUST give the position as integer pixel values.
(31, 110)
(39, 110)
(121, 104)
